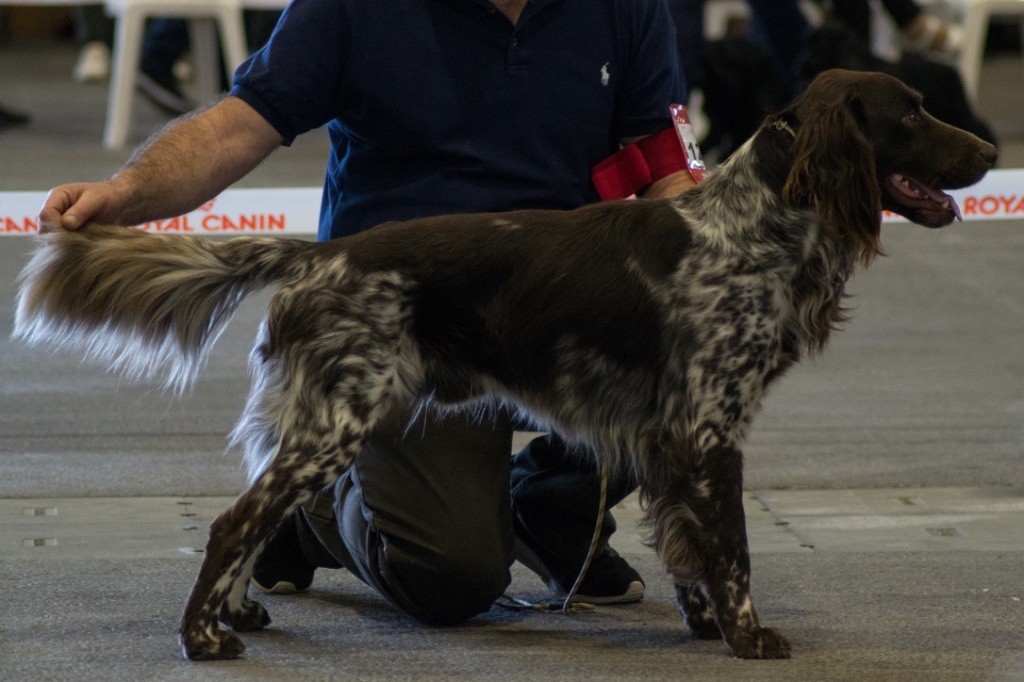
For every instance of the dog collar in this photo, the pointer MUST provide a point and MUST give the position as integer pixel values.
(780, 124)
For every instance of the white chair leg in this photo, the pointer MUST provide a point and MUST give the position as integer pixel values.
(232, 36)
(205, 21)
(976, 20)
(205, 58)
(127, 52)
(228, 21)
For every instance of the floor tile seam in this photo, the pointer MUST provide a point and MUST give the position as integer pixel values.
(113, 434)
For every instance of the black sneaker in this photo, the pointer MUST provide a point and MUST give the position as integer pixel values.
(609, 580)
(283, 568)
(164, 93)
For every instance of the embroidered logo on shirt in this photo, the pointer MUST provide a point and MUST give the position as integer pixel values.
(605, 75)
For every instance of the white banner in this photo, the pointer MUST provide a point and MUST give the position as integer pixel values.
(999, 196)
(293, 211)
(286, 211)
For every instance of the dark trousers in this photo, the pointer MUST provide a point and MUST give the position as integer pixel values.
(93, 25)
(164, 43)
(427, 517)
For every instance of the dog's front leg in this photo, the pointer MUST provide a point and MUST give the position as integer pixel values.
(727, 559)
(699, 530)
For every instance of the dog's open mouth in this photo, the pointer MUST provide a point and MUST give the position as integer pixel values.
(931, 206)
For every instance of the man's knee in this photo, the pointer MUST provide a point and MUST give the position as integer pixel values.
(447, 590)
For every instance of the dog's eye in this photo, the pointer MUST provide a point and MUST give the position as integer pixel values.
(910, 116)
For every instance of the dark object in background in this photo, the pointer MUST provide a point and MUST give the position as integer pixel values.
(741, 90)
(9, 118)
(832, 45)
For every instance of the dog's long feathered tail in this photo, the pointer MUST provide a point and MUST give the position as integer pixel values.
(146, 304)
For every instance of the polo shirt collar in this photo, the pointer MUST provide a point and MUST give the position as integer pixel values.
(531, 7)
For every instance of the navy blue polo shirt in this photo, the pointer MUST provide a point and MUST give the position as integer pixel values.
(443, 106)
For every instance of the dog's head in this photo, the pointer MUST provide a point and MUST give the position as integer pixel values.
(863, 144)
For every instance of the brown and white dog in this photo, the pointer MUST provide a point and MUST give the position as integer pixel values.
(646, 330)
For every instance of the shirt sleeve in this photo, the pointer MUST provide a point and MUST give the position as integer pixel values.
(654, 78)
(293, 80)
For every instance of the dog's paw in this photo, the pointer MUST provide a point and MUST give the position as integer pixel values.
(760, 643)
(249, 616)
(210, 643)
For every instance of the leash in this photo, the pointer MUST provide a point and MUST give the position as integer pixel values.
(567, 605)
(594, 540)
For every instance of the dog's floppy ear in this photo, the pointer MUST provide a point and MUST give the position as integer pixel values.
(833, 170)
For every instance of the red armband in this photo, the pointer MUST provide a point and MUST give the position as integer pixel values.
(636, 166)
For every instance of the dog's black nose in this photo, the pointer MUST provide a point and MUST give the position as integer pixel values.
(989, 153)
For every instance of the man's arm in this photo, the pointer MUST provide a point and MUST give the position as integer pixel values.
(669, 186)
(189, 162)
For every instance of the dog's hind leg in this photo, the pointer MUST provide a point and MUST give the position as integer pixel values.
(696, 610)
(235, 539)
(675, 534)
(314, 403)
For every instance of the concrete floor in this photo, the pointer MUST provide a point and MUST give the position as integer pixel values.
(885, 481)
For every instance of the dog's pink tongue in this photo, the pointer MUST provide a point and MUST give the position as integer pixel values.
(936, 195)
(939, 197)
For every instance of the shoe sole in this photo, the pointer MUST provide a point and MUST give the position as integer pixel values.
(633, 594)
(280, 587)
